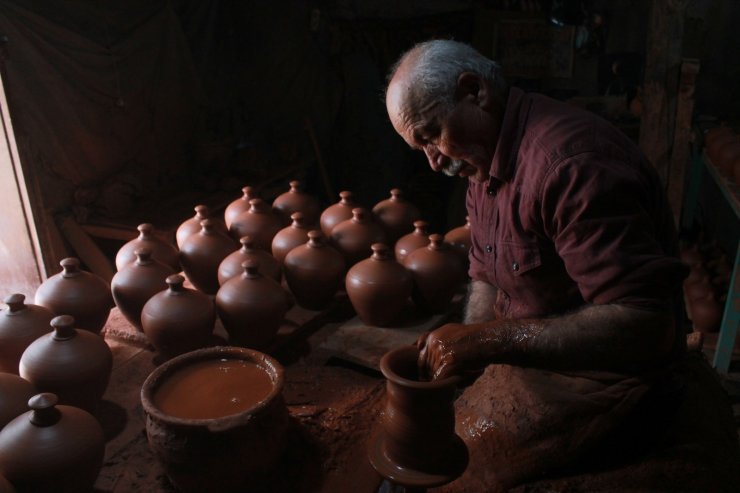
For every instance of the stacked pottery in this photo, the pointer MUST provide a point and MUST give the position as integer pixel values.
(336, 213)
(296, 200)
(20, 325)
(406, 244)
(71, 363)
(193, 225)
(314, 272)
(251, 307)
(288, 238)
(459, 239)
(437, 272)
(354, 237)
(137, 282)
(83, 295)
(258, 222)
(239, 205)
(397, 215)
(202, 253)
(232, 265)
(161, 250)
(178, 319)
(378, 287)
(52, 448)
(14, 394)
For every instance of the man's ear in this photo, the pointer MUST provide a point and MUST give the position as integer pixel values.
(474, 88)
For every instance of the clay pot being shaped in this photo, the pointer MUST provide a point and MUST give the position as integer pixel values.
(202, 253)
(437, 272)
(336, 213)
(354, 237)
(178, 319)
(314, 272)
(459, 239)
(83, 295)
(161, 250)
(52, 448)
(288, 238)
(406, 244)
(216, 419)
(416, 445)
(73, 364)
(251, 307)
(232, 265)
(258, 222)
(14, 394)
(239, 205)
(192, 225)
(20, 325)
(378, 287)
(397, 215)
(296, 200)
(706, 313)
(133, 285)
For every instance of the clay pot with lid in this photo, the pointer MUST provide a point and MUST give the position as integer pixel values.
(73, 364)
(193, 225)
(288, 238)
(202, 253)
(296, 200)
(354, 237)
(52, 448)
(406, 244)
(336, 213)
(437, 272)
(178, 319)
(161, 250)
(314, 272)
(81, 294)
(20, 325)
(251, 307)
(232, 265)
(14, 394)
(242, 441)
(239, 205)
(460, 240)
(397, 215)
(378, 287)
(259, 222)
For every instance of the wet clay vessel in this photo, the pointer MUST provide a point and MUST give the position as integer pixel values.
(288, 238)
(336, 213)
(20, 325)
(259, 222)
(52, 448)
(83, 295)
(397, 215)
(409, 242)
(354, 237)
(161, 250)
(231, 453)
(314, 272)
(14, 394)
(232, 265)
(296, 200)
(459, 239)
(239, 205)
(202, 253)
(437, 272)
(192, 226)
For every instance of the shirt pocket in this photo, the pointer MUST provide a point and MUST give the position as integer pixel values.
(518, 258)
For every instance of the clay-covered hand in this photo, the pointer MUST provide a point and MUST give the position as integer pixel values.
(452, 349)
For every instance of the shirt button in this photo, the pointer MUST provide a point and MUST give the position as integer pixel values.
(515, 266)
(489, 248)
(491, 191)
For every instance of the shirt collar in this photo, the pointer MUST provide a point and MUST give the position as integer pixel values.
(509, 138)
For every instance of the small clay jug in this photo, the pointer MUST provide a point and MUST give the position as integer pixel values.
(459, 239)
(192, 225)
(378, 287)
(133, 285)
(336, 213)
(437, 272)
(202, 253)
(14, 394)
(20, 325)
(74, 364)
(52, 448)
(706, 313)
(259, 222)
(178, 319)
(314, 272)
(239, 205)
(288, 238)
(84, 295)
(251, 307)
(296, 200)
(406, 244)
(161, 250)
(354, 237)
(397, 215)
(232, 265)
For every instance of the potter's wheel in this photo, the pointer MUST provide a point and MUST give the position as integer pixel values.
(453, 468)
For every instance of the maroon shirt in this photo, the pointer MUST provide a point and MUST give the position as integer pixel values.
(573, 214)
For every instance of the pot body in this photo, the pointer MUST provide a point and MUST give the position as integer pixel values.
(355, 237)
(397, 215)
(314, 273)
(231, 266)
(201, 255)
(295, 200)
(459, 239)
(14, 394)
(259, 223)
(161, 250)
(437, 272)
(410, 242)
(288, 238)
(20, 325)
(135, 284)
(336, 213)
(192, 225)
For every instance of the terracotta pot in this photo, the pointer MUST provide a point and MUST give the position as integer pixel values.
(706, 313)
(84, 295)
(406, 244)
(354, 237)
(296, 200)
(288, 238)
(20, 325)
(397, 215)
(14, 394)
(378, 287)
(258, 222)
(52, 448)
(251, 307)
(437, 272)
(235, 452)
(202, 253)
(73, 364)
(460, 240)
(161, 250)
(232, 265)
(416, 444)
(193, 226)
(178, 319)
(239, 205)
(314, 272)
(336, 213)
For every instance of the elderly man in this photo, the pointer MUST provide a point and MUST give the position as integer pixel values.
(574, 310)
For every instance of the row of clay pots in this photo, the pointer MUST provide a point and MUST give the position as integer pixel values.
(722, 146)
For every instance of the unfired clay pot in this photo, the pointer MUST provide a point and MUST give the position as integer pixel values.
(459, 239)
(161, 250)
(202, 253)
(288, 238)
(52, 448)
(239, 205)
(354, 237)
(296, 200)
(84, 295)
(409, 242)
(336, 213)
(437, 272)
(232, 265)
(397, 215)
(378, 287)
(192, 226)
(14, 394)
(20, 325)
(258, 222)
(314, 272)
(231, 453)
(73, 364)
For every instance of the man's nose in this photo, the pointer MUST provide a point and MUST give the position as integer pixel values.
(437, 160)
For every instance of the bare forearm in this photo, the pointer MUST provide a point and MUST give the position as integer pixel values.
(479, 305)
